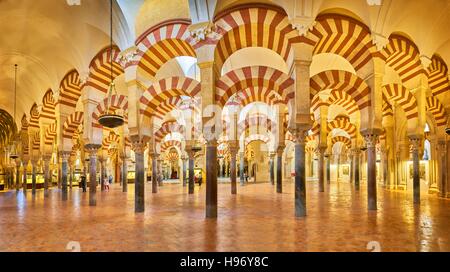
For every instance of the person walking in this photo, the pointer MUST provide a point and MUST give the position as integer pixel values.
(106, 183)
(83, 183)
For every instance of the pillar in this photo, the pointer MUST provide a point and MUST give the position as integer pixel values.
(280, 150)
(233, 152)
(47, 177)
(139, 181)
(154, 157)
(33, 177)
(211, 179)
(356, 163)
(17, 175)
(102, 172)
(300, 175)
(371, 138)
(191, 171)
(24, 182)
(442, 168)
(321, 172)
(415, 144)
(328, 157)
(64, 172)
(92, 150)
(124, 174)
(241, 168)
(272, 168)
(183, 160)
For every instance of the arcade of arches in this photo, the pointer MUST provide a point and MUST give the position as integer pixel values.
(298, 98)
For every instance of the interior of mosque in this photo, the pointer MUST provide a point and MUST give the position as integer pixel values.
(360, 89)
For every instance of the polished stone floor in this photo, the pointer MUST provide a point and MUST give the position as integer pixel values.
(256, 219)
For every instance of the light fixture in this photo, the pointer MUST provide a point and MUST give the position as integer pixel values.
(13, 154)
(447, 130)
(110, 118)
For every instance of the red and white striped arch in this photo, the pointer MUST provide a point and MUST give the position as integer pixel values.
(110, 139)
(167, 128)
(255, 25)
(438, 76)
(168, 144)
(99, 69)
(403, 56)
(50, 135)
(117, 102)
(344, 82)
(165, 89)
(435, 107)
(71, 124)
(48, 106)
(70, 89)
(386, 107)
(254, 77)
(260, 122)
(35, 141)
(343, 36)
(256, 137)
(342, 139)
(343, 123)
(399, 94)
(34, 117)
(161, 43)
(255, 94)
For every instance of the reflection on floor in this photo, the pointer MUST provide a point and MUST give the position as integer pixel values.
(256, 219)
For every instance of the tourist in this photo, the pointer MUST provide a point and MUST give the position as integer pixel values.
(106, 183)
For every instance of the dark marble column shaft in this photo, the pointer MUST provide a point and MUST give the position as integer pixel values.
(139, 181)
(211, 180)
(300, 179)
(124, 174)
(154, 173)
(280, 169)
(371, 140)
(46, 175)
(33, 177)
(233, 172)
(442, 169)
(64, 172)
(191, 172)
(272, 169)
(92, 149)
(328, 156)
(357, 163)
(321, 172)
(415, 142)
(241, 168)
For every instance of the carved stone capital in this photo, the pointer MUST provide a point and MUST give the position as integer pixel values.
(64, 155)
(127, 56)
(202, 31)
(379, 41)
(415, 142)
(303, 24)
(92, 149)
(280, 150)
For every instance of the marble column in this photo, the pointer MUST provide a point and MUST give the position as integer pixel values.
(280, 150)
(352, 172)
(371, 141)
(442, 149)
(154, 157)
(102, 172)
(71, 170)
(24, 181)
(328, 157)
(272, 168)
(17, 175)
(33, 177)
(233, 152)
(356, 162)
(384, 156)
(300, 175)
(92, 149)
(159, 167)
(321, 172)
(47, 177)
(241, 168)
(124, 174)
(183, 159)
(415, 144)
(139, 181)
(211, 179)
(64, 172)
(191, 171)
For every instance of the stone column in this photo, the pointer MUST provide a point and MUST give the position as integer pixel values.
(211, 179)
(183, 159)
(241, 168)
(272, 168)
(154, 157)
(321, 173)
(33, 177)
(46, 160)
(233, 152)
(384, 157)
(102, 172)
(191, 171)
(17, 175)
(159, 167)
(64, 172)
(280, 150)
(442, 168)
(24, 182)
(371, 138)
(124, 174)
(356, 162)
(300, 174)
(139, 181)
(415, 144)
(92, 149)
(328, 157)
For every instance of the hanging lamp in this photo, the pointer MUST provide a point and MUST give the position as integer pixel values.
(13, 154)
(110, 118)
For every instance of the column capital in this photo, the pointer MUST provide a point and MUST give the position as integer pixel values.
(92, 149)
(64, 155)
(280, 150)
(300, 133)
(415, 141)
(371, 136)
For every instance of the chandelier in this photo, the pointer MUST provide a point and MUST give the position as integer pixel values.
(13, 153)
(110, 118)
